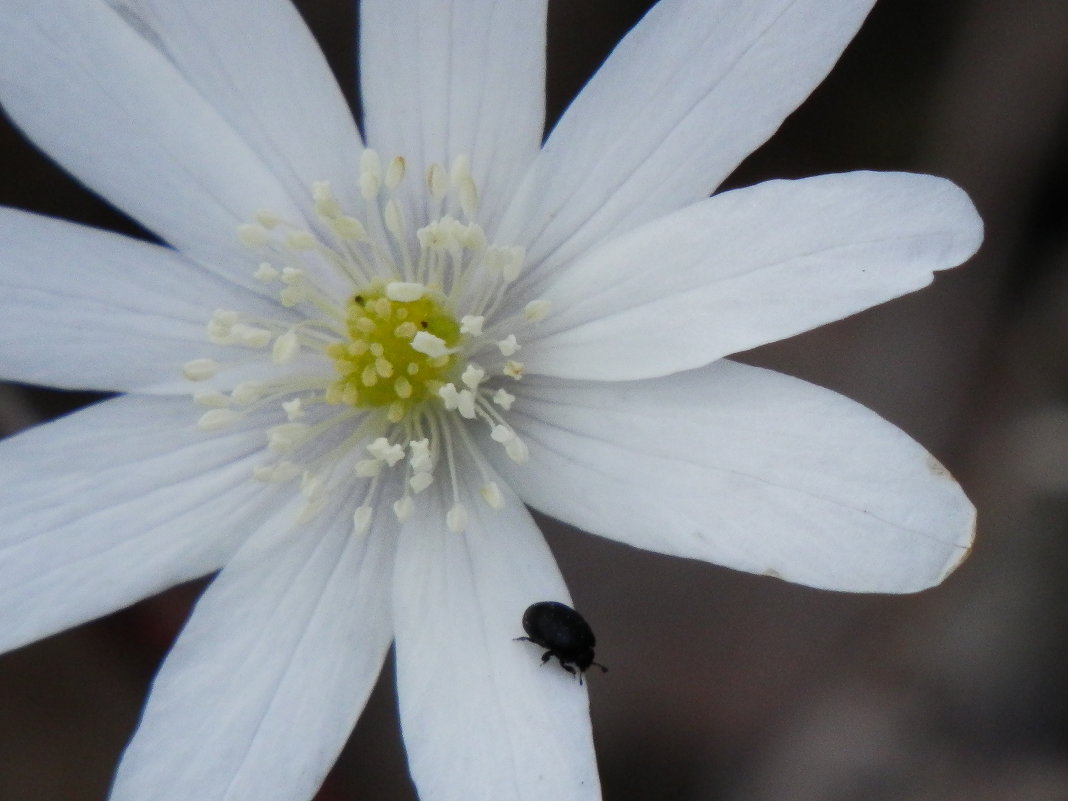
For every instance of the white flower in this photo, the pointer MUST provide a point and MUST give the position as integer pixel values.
(389, 352)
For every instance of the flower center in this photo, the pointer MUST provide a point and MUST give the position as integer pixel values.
(387, 345)
(400, 349)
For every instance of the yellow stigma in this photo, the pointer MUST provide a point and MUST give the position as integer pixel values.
(399, 349)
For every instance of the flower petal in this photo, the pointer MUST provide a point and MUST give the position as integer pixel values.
(749, 267)
(746, 468)
(482, 720)
(265, 683)
(115, 503)
(88, 309)
(695, 87)
(460, 78)
(102, 98)
(257, 64)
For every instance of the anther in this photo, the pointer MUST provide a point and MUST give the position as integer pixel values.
(472, 376)
(217, 419)
(491, 494)
(536, 310)
(429, 345)
(508, 346)
(456, 518)
(361, 519)
(504, 399)
(200, 369)
(286, 348)
(472, 325)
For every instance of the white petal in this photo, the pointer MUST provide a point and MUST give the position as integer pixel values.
(444, 79)
(115, 503)
(110, 107)
(482, 719)
(692, 90)
(746, 468)
(256, 62)
(87, 309)
(749, 267)
(268, 677)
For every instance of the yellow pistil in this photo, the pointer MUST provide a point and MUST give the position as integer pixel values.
(399, 352)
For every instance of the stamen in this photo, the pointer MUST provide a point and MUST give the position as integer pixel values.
(404, 311)
(200, 369)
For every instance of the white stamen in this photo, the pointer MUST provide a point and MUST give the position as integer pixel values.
(473, 376)
(217, 419)
(394, 219)
(536, 310)
(403, 508)
(267, 218)
(286, 348)
(286, 437)
(420, 459)
(294, 409)
(395, 172)
(326, 204)
(249, 336)
(370, 162)
(450, 397)
(382, 449)
(211, 398)
(361, 519)
(368, 468)
(513, 369)
(292, 276)
(517, 450)
(276, 473)
(349, 228)
(508, 346)
(292, 296)
(312, 486)
(301, 240)
(370, 174)
(437, 182)
(404, 291)
(472, 325)
(430, 345)
(491, 494)
(200, 369)
(502, 434)
(265, 272)
(248, 392)
(465, 404)
(420, 481)
(251, 235)
(504, 399)
(456, 518)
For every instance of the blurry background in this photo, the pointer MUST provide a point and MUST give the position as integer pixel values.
(729, 686)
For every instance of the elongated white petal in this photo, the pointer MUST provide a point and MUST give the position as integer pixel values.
(749, 267)
(267, 679)
(692, 90)
(746, 468)
(257, 64)
(482, 720)
(87, 309)
(102, 99)
(115, 503)
(444, 79)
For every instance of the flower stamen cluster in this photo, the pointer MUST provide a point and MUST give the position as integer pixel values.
(391, 341)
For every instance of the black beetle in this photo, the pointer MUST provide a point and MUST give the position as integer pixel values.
(564, 632)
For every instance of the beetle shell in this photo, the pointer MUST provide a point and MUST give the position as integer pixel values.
(563, 632)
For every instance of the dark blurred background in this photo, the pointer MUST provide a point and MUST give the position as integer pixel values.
(727, 686)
